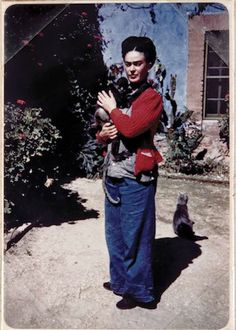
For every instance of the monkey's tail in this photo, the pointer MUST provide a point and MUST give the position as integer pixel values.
(111, 199)
(107, 194)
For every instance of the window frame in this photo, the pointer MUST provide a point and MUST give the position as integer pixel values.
(205, 115)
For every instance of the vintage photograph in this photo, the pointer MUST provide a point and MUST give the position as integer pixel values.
(116, 165)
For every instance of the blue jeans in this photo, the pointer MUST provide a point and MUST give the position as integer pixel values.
(130, 234)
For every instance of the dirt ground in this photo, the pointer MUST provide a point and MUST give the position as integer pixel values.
(53, 276)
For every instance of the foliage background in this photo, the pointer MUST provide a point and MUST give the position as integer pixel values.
(53, 69)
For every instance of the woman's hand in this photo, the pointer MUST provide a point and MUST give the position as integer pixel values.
(106, 101)
(108, 131)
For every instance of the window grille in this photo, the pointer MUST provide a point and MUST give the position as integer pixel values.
(216, 80)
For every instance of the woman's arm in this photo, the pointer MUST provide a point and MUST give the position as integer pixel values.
(108, 132)
(146, 111)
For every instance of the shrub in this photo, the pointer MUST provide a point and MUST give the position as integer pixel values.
(88, 153)
(27, 135)
(224, 124)
(224, 128)
(183, 138)
(28, 138)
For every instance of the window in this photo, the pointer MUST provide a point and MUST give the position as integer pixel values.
(216, 82)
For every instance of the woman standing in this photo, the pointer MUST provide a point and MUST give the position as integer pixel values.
(131, 179)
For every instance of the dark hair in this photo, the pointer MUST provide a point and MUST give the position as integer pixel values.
(140, 44)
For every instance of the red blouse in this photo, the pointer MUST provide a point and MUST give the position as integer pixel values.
(146, 111)
(145, 114)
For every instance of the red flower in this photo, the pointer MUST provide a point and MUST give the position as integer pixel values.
(84, 13)
(97, 37)
(22, 136)
(89, 46)
(20, 102)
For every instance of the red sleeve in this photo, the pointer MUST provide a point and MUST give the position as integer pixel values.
(146, 111)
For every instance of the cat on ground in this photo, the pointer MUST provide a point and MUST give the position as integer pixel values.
(182, 225)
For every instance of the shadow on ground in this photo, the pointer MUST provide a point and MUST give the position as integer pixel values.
(171, 256)
(46, 208)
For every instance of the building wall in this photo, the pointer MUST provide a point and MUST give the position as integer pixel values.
(197, 26)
